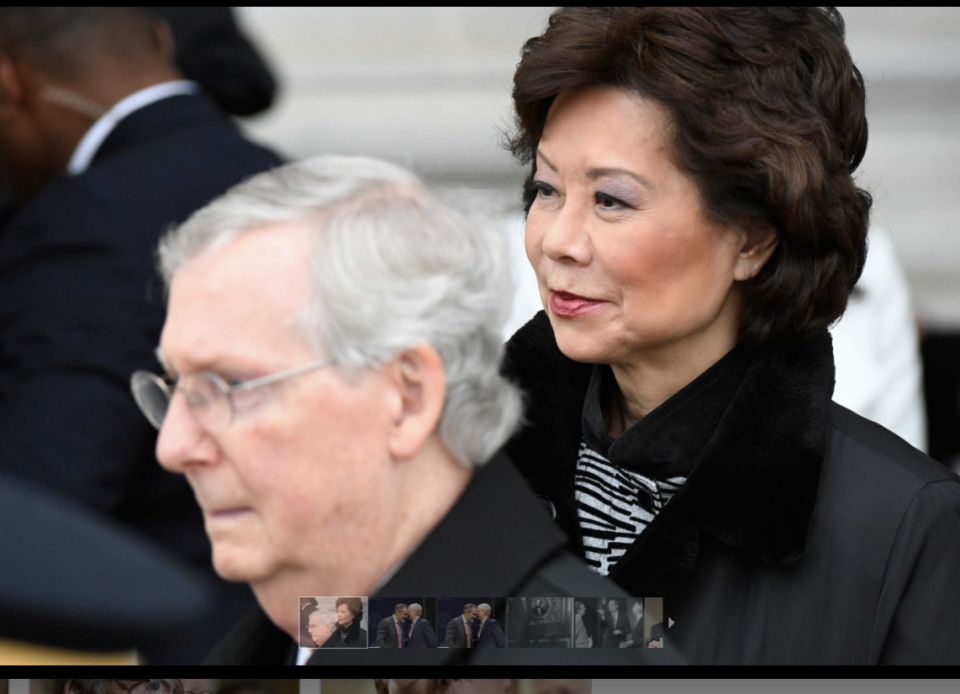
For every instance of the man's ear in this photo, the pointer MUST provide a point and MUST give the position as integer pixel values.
(757, 243)
(163, 36)
(418, 376)
(11, 85)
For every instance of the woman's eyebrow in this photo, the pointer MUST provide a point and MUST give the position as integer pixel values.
(614, 171)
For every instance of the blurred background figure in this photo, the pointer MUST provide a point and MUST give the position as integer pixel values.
(307, 607)
(212, 50)
(103, 144)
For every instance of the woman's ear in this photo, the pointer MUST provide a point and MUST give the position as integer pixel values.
(758, 241)
(418, 377)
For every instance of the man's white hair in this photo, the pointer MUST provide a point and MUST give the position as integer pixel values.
(393, 267)
(327, 617)
(415, 607)
(485, 607)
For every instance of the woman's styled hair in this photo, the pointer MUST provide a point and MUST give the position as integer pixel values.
(355, 605)
(393, 267)
(768, 119)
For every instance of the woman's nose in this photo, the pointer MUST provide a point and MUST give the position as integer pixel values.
(563, 235)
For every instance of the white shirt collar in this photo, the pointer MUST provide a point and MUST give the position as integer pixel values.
(95, 136)
(303, 655)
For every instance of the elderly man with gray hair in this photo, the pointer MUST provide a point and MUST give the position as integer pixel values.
(489, 633)
(421, 634)
(333, 332)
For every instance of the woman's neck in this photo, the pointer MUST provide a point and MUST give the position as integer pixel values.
(653, 376)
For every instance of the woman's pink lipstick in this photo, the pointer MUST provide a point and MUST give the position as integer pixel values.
(566, 305)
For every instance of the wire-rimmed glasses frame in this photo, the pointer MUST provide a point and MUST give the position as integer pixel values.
(206, 393)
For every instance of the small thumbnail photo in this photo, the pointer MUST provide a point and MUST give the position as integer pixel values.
(402, 622)
(333, 622)
(539, 622)
(471, 622)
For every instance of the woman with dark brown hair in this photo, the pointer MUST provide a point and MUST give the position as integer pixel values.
(349, 633)
(694, 225)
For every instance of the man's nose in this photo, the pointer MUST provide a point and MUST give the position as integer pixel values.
(182, 441)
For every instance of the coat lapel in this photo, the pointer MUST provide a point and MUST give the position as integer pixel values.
(753, 487)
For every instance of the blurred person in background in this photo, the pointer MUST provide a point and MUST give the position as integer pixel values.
(421, 634)
(581, 637)
(615, 624)
(103, 144)
(211, 49)
(635, 637)
(335, 318)
(307, 607)
(695, 228)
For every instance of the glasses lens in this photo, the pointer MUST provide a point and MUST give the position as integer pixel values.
(152, 396)
(206, 393)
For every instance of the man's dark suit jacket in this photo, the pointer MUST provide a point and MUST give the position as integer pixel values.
(387, 633)
(528, 563)
(636, 633)
(490, 635)
(81, 307)
(421, 635)
(456, 633)
(611, 640)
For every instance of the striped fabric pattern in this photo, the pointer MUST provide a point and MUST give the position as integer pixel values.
(614, 506)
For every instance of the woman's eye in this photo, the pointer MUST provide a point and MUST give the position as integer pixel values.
(544, 190)
(608, 202)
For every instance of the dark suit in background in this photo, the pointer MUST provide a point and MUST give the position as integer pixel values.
(456, 633)
(421, 635)
(387, 633)
(81, 308)
(611, 640)
(489, 634)
(636, 632)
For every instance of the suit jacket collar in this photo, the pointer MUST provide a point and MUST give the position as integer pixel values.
(155, 121)
(495, 504)
(753, 486)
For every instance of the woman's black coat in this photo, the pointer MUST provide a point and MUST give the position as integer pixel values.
(804, 533)
(356, 637)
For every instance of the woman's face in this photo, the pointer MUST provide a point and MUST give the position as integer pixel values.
(344, 615)
(624, 260)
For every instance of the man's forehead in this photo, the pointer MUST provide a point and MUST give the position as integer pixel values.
(237, 301)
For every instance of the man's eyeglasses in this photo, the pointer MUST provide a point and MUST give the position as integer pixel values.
(210, 398)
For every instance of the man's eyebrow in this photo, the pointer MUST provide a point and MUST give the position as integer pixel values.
(605, 171)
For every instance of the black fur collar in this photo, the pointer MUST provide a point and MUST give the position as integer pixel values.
(753, 488)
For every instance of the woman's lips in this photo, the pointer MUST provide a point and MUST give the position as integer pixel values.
(566, 305)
